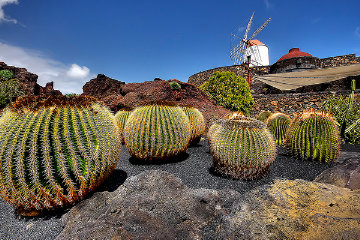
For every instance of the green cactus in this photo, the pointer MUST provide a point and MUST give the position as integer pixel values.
(157, 130)
(263, 115)
(278, 123)
(197, 123)
(314, 135)
(54, 150)
(121, 117)
(242, 147)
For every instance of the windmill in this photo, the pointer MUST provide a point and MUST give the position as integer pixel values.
(243, 51)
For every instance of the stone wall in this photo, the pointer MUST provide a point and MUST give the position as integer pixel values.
(295, 102)
(337, 61)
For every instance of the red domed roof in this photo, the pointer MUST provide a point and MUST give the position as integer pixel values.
(293, 53)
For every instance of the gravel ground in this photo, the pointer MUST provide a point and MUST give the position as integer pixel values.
(193, 167)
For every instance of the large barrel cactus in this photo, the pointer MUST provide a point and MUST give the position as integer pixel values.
(54, 150)
(242, 147)
(263, 115)
(157, 130)
(121, 117)
(315, 136)
(197, 123)
(278, 124)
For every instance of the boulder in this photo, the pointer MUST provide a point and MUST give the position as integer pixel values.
(346, 174)
(157, 205)
(102, 86)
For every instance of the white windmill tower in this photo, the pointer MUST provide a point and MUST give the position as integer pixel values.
(249, 50)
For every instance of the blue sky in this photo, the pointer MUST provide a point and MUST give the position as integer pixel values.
(70, 42)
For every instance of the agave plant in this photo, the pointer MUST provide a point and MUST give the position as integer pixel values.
(314, 135)
(54, 150)
(242, 147)
(157, 130)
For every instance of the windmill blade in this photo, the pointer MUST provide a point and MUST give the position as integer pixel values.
(260, 28)
(248, 27)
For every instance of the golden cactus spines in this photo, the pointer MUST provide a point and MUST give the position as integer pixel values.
(242, 148)
(54, 150)
(121, 117)
(157, 130)
(197, 123)
(278, 123)
(314, 135)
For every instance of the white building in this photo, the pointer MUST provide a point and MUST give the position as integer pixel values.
(259, 53)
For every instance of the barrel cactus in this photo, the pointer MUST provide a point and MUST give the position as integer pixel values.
(54, 150)
(263, 115)
(197, 123)
(314, 135)
(278, 124)
(242, 148)
(156, 131)
(121, 117)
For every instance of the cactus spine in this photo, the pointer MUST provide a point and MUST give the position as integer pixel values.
(55, 150)
(278, 123)
(121, 117)
(242, 148)
(197, 123)
(157, 130)
(315, 136)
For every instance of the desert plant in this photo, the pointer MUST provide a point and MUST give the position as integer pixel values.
(157, 131)
(54, 150)
(6, 74)
(121, 117)
(9, 91)
(263, 115)
(314, 135)
(278, 123)
(242, 148)
(175, 85)
(197, 123)
(229, 91)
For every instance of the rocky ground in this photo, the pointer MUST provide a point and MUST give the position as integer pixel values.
(188, 201)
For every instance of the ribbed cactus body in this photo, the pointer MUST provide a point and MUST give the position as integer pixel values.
(197, 123)
(263, 115)
(314, 136)
(121, 117)
(278, 123)
(242, 148)
(157, 131)
(53, 156)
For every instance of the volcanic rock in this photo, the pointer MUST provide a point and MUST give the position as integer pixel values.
(103, 86)
(157, 205)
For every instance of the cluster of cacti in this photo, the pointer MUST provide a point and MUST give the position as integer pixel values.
(314, 135)
(54, 150)
(157, 130)
(197, 123)
(121, 117)
(278, 123)
(263, 115)
(242, 147)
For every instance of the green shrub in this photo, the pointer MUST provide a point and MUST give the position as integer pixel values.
(175, 85)
(6, 74)
(229, 91)
(242, 147)
(54, 150)
(9, 91)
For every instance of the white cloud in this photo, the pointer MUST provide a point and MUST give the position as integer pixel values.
(66, 78)
(3, 17)
(357, 32)
(268, 4)
(76, 71)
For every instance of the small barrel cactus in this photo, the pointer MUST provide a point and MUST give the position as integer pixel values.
(54, 150)
(242, 148)
(157, 130)
(263, 115)
(121, 117)
(315, 136)
(278, 124)
(197, 123)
